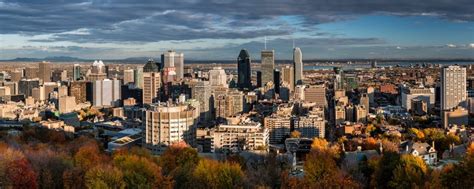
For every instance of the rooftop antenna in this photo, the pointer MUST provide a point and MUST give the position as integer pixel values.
(265, 42)
(293, 43)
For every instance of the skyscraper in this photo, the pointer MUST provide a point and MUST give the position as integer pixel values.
(44, 71)
(138, 77)
(453, 87)
(288, 77)
(298, 65)
(217, 77)
(25, 86)
(151, 66)
(243, 69)
(276, 80)
(98, 71)
(173, 65)
(151, 87)
(267, 66)
(259, 79)
(128, 76)
(76, 72)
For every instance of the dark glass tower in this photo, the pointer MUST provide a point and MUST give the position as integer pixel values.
(243, 70)
(259, 79)
(276, 80)
(151, 66)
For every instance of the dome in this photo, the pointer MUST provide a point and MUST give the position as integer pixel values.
(98, 63)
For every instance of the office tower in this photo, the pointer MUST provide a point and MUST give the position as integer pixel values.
(419, 107)
(38, 93)
(138, 77)
(349, 113)
(267, 66)
(453, 87)
(217, 77)
(44, 72)
(98, 71)
(234, 102)
(279, 128)
(243, 70)
(259, 79)
(361, 114)
(5, 91)
(66, 104)
(173, 65)
(288, 77)
(128, 76)
(371, 92)
(25, 86)
(78, 90)
(151, 87)
(76, 72)
(364, 100)
(316, 94)
(373, 64)
(31, 73)
(201, 93)
(298, 65)
(13, 86)
(151, 66)
(16, 76)
(106, 92)
(340, 115)
(276, 81)
(338, 78)
(166, 124)
(49, 87)
(59, 75)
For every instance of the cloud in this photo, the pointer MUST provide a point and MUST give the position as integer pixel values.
(471, 45)
(152, 21)
(451, 45)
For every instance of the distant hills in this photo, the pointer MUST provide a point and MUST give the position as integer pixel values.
(141, 60)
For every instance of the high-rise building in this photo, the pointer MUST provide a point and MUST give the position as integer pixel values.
(201, 93)
(217, 77)
(339, 115)
(44, 71)
(453, 87)
(59, 75)
(31, 73)
(62, 91)
(279, 128)
(151, 87)
(16, 75)
(364, 100)
(298, 65)
(152, 66)
(106, 92)
(310, 126)
(25, 86)
(38, 93)
(288, 77)
(243, 70)
(13, 87)
(239, 136)
(138, 77)
(425, 94)
(49, 87)
(458, 116)
(76, 72)
(98, 71)
(173, 65)
(349, 113)
(78, 90)
(361, 114)
(316, 94)
(166, 124)
(66, 104)
(259, 79)
(276, 81)
(267, 66)
(128, 76)
(338, 78)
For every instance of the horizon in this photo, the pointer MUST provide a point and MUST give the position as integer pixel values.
(206, 30)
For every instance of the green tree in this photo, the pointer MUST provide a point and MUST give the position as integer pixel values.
(139, 172)
(213, 174)
(103, 177)
(179, 163)
(411, 172)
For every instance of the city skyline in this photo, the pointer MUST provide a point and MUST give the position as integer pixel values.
(207, 30)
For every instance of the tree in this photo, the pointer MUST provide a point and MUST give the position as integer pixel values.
(104, 176)
(140, 172)
(383, 172)
(20, 174)
(88, 156)
(321, 171)
(213, 174)
(179, 163)
(411, 172)
(295, 134)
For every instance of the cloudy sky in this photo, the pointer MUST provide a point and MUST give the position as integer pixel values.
(218, 29)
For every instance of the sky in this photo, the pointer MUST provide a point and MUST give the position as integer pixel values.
(218, 29)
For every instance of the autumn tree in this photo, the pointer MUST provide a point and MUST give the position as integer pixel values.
(213, 174)
(140, 172)
(295, 134)
(104, 176)
(179, 162)
(411, 172)
(383, 171)
(20, 174)
(89, 156)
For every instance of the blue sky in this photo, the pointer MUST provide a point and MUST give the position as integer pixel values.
(218, 29)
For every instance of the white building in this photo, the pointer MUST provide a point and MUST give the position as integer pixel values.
(217, 77)
(453, 87)
(105, 92)
(424, 94)
(235, 137)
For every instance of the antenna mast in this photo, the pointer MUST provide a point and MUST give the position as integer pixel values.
(265, 42)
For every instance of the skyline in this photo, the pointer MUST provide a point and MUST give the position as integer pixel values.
(206, 30)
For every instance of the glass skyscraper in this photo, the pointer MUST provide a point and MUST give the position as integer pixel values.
(243, 69)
